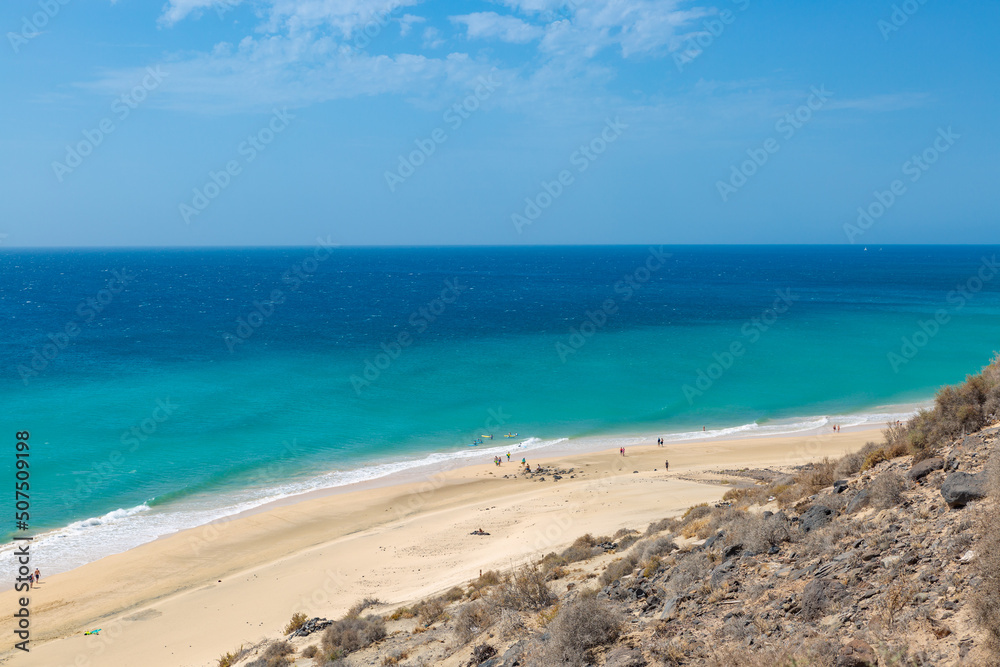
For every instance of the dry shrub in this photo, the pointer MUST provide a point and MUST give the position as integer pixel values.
(488, 578)
(873, 455)
(582, 625)
(472, 618)
(749, 495)
(756, 532)
(452, 594)
(986, 599)
(310, 651)
(551, 561)
(627, 541)
(276, 655)
(648, 549)
(232, 657)
(511, 623)
(626, 537)
(695, 512)
(662, 525)
(818, 476)
(695, 528)
(887, 490)
(897, 435)
(429, 611)
(690, 571)
(522, 589)
(848, 465)
(403, 612)
(297, 621)
(651, 567)
(479, 587)
(351, 634)
(583, 547)
(361, 605)
(620, 568)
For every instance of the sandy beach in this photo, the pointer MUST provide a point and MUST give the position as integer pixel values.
(187, 598)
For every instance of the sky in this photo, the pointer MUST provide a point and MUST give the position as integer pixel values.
(503, 122)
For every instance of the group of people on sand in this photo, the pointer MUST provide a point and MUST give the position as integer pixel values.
(497, 461)
(34, 578)
(836, 428)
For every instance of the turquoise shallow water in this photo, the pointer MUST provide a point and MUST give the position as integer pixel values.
(198, 383)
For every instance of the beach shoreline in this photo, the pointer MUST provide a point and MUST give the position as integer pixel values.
(126, 528)
(245, 575)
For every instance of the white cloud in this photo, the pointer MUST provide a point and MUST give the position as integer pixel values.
(636, 27)
(345, 16)
(262, 72)
(432, 38)
(492, 25)
(178, 10)
(406, 22)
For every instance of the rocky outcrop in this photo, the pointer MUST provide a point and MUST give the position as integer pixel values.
(815, 517)
(959, 489)
(924, 468)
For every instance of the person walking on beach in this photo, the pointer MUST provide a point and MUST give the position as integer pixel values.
(666, 465)
(508, 457)
(38, 575)
(31, 580)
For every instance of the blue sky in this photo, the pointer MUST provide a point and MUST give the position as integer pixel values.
(272, 122)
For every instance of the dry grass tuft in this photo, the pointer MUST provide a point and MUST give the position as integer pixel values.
(473, 618)
(522, 589)
(887, 490)
(276, 655)
(232, 657)
(297, 621)
(351, 634)
(619, 568)
(359, 606)
(582, 625)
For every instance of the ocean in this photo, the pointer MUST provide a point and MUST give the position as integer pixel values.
(163, 389)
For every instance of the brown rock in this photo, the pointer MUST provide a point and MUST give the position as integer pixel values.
(856, 654)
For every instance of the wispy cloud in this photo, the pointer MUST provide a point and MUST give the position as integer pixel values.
(301, 52)
(492, 25)
(178, 10)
